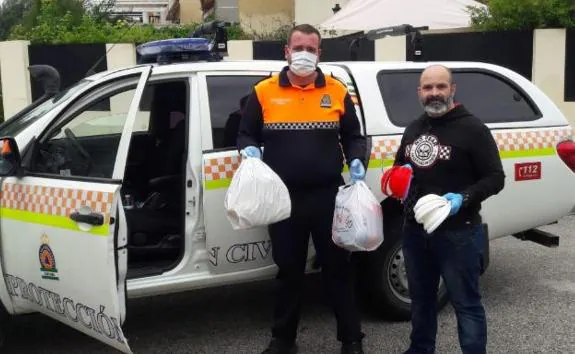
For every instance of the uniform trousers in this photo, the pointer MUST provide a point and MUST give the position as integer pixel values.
(312, 214)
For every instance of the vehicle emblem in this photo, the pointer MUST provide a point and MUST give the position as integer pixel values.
(325, 101)
(47, 260)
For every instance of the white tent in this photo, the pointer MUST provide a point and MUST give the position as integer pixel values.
(365, 15)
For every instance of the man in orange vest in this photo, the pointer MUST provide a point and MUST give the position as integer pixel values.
(306, 122)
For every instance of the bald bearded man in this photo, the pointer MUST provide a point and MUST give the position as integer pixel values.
(452, 154)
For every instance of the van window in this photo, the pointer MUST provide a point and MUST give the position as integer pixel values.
(490, 98)
(225, 94)
(13, 126)
(84, 141)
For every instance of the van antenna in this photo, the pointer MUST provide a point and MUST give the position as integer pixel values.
(91, 70)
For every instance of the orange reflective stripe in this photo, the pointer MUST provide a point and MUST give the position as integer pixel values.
(54, 201)
(294, 105)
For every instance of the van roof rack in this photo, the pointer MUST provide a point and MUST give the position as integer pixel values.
(413, 33)
(191, 49)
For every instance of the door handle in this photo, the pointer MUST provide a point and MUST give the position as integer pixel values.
(92, 218)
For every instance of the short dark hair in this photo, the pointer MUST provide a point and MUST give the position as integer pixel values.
(304, 28)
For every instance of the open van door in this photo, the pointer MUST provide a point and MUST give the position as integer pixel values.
(63, 231)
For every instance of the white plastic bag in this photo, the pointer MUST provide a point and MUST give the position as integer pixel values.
(256, 197)
(358, 219)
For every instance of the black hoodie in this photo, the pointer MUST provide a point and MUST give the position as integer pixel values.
(453, 153)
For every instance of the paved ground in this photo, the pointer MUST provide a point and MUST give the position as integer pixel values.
(529, 294)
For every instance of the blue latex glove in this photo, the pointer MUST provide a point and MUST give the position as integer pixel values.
(251, 151)
(356, 170)
(408, 166)
(455, 200)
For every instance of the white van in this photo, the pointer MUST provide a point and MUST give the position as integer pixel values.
(119, 193)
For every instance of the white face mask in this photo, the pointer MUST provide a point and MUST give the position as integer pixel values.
(303, 63)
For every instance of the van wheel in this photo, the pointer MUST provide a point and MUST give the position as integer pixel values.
(383, 278)
(5, 318)
(388, 291)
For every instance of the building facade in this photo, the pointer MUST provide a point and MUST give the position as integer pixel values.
(257, 16)
(145, 11)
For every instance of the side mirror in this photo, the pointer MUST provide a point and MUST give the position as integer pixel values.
(10, 159)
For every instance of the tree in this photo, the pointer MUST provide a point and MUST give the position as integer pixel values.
(58, 8)
(101, 9)
(53, 26)
(11, 14)
(28, 13)
(523, 14)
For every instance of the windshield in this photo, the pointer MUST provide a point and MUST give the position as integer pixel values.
(14, 126)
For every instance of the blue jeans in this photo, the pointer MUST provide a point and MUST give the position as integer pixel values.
(456, 255)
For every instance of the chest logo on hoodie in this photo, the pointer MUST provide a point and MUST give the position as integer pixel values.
(426, 150)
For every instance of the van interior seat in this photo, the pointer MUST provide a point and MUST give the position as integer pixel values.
(155, 228)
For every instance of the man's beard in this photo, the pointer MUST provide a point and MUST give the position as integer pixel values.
(436, 106)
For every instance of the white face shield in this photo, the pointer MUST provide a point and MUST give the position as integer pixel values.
(431, 210)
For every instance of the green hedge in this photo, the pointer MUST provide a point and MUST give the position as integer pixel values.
(523, 15)
(61, 31)
(51, 27)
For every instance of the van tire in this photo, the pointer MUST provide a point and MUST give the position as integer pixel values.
(381, 273)
(5, 318)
